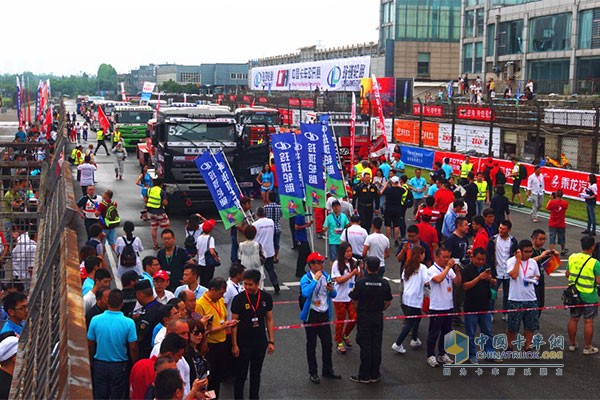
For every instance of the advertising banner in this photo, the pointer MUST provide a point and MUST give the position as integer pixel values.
(334, 182)
(476, 113)
(342, 74)
(428, 110)
(417, 156)
(291, 190)
(469, 137)
(368, 102)
(310, 148)
(147, 91)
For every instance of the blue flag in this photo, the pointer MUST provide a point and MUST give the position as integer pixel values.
(290, 182)
(310, 147)
(335, 182)
(450, 89)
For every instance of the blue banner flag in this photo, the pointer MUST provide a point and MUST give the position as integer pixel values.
(417, 157)
(221, 184)
(310, 147)
(450, 89)
(334, 183)
(290, 182)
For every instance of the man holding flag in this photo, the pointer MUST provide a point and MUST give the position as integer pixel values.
(101, 133)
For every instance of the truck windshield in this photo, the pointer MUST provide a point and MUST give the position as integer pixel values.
(258, 118)
(344, 130)
(133, 117)
(201, 132)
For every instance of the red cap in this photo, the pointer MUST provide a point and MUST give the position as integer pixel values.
(208, 225)
(161, 274)
(314, 256)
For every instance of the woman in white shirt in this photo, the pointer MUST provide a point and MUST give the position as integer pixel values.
(380, 183)
(344, 272)
(414, 278)
(136, 243)
(249, 253)
(590, 194)
(86, 169)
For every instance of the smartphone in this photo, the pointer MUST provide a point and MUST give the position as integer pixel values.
(210, 319)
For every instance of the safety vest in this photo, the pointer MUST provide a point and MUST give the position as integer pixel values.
(77, 156)
(117, 136)
(481, 190)
(100, 135)
(465, 169)
(587, 281)
(405, 194)
(154, 198)
(359, 170)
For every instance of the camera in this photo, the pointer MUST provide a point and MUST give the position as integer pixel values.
(457, 262)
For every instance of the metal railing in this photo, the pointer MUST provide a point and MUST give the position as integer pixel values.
(52, 361)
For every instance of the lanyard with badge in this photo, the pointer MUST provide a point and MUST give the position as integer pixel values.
(317, 301)
(449, 289)
(338, 223)
(254, 309)
(221, 321)
(524, 270)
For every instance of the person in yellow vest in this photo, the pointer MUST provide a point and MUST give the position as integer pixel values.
(77, 157)
(583, 271)
(100, 136)
(116, 138)
(359, 168)
(156, 203)
(483, 195)
(465, 168)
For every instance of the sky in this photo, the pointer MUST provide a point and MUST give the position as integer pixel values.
(77, 36)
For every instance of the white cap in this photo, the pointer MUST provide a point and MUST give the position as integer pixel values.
(8, 348)
(394, 179)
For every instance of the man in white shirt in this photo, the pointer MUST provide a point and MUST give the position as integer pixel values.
(181, 328)
(442, 276)
(535, 192)
(102, 278)
(377, 245)
(265, 233)
(190, 279)
(500, 248)
(235, 285)
(161, 281)
(524, 275)
(355, 235)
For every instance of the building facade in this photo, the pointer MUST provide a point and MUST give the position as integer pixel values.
(555, 43)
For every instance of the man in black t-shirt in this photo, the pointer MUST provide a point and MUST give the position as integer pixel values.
(172, 259)
(253, 308)
(477, 279)
(458, 245)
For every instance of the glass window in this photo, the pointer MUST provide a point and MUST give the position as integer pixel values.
(550, 33)
(549, 76)
(585, 29)
(479, 21)
(491, 33)
(468, 58)
(423, 65)
(510, 37)
(474, 3)
(428, 20)
(469, 23)
(478, 57)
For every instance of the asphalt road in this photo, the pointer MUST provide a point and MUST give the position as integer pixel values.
(404, 376)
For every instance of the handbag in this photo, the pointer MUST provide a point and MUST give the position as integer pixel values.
(209, 259)
(570, 295)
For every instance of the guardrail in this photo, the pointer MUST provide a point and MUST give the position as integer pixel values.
(53, 362)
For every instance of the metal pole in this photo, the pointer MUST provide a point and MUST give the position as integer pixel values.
(491, 138)
(310, 232)
(420, 122)
(538, 124)
(595, 138)
(338, 159)
(453, 113)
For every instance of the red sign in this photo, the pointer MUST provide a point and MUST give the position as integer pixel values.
(262, 99)
(232, 97)
(572, 183)
(293, 102)
(428, 111)
(476, 113)
(307, 103)
(246, 98)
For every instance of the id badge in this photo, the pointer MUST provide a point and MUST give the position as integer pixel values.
(255, 322)
(449, 289)
(525, 283)
(351, 285)
(317, 303)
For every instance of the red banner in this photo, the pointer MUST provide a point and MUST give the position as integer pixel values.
(307, 103)
(232, 97)
(428, 111)
(104, 124)
(476, 113)
(572, 183)
(262, 99)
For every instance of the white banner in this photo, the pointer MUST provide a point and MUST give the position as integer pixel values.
(343, 74)
(469, 137)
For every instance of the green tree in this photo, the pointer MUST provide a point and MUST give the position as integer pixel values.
(107, 77)
(170, 86)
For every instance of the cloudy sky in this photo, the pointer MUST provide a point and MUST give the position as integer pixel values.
(69, 37)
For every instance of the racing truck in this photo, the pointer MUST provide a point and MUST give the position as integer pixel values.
(132, 121)
(180, 134)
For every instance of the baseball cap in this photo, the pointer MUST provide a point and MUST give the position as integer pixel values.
(394, 179)
(161, 274)
(335, 203)
(8, 348)
(315, 256)
(208, 225)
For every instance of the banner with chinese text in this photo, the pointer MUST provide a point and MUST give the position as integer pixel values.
(291, 190)
(310, 148)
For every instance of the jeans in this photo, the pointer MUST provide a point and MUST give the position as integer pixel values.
(276, 239)
(101, 143)
(293, 231)
(323, 332)
(411, 325)
(438, 328)
(333, 250)
(369, 337)
(110, 380)
(505, 285)
(270, 268)
(480, 205)
(251, 357)
(205, 274)
(536, 204)
(484, 321)
(591, 217)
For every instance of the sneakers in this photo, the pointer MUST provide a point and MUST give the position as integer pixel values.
(356, 379)
(431, 360)
(444, 359)
(586, 232)
(340, 348)
(399, 349)
(564, 252)
(314, 378)
(347, 341)
(573, 347)
(415, 343)
(504, 317)
(590, 350)
(375, 380)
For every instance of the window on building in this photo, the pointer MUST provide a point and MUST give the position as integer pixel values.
(491, 40)
(423, 65)
(427, 20)
(189, 77)
(550, 33)
(510, 37)
(478, 57)
(550, 76)
(469, 23)
(589, 29)
(479, 22)
(468, 58)
(474, 3)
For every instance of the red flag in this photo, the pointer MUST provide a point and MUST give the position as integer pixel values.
(253, 100)
(552, 264)
(104, 124)
(379, 109)
(352, 134)
(48, 122)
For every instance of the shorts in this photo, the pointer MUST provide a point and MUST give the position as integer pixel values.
(530, 318)
(588, 312)
(392, 217)
(157, 220)
(333, 250)
(561, 235)
(516, 186)
(111, 236)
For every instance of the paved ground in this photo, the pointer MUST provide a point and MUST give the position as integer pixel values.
(405, 376)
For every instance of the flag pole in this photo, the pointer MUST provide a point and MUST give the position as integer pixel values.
(309, 215)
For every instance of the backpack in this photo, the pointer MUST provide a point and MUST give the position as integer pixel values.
(409, 201)
(500, 178)
(112, 218)
(190, 243)
(128, 256)
(522, 172)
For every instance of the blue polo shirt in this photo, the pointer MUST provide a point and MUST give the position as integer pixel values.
(300, 234)
(432, 189)
(111, 331)
(418, 183)
(447, 170)
(399, 165)
(147, 277)
(87, 285)
(385, 170)
(10, 326)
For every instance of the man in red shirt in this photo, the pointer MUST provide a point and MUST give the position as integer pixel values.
(427, 208)
(442, 198)
(557, 224)
(481, 237)
(427, 233)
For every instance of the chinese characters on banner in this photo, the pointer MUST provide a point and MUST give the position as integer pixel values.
(310, 145)
(290, 184)
(477, 113)
(334, 183)
(147, 91)
(428, 111)
(222, 187)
